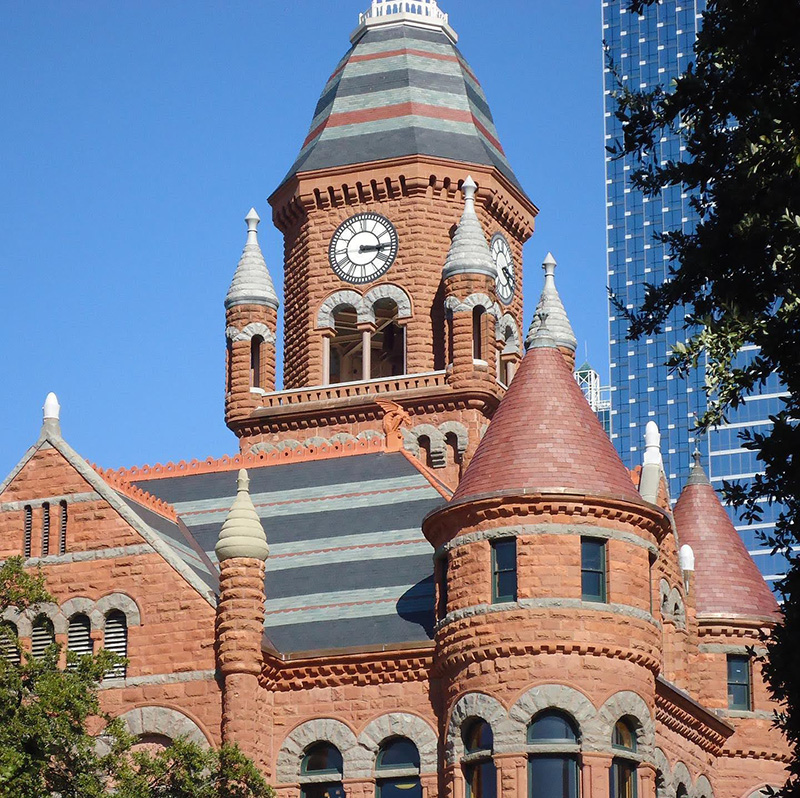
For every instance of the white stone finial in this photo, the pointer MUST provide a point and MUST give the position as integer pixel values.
(52, 409)
(252, 220)
(252, 284)
(550, 303)
(469, 252)
(652, 443)
(687, 558)
(468, 189)
(242, 534)
(549, 266)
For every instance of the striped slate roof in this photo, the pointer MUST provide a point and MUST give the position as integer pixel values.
(348, 566)
(399, 91)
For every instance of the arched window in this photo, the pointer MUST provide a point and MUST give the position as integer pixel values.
(116, 641)
(398, 756)
(682, 792)
(321, 772)
(28, 536)
(623, 770)
(42, 636)
(478, 319)
(388, 342)
(45, 529)
(9, 643)
(480, 773)
(425, 450)
(553, 774)
(79, 637)
(256, 343)
(508, 356)
(454, 455)
(346, 354)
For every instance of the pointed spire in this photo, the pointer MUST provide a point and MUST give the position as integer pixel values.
(242, 534)
(51, 415)
(543, 338)
(728, 582)
(252, 284)
(550, 303)
(469, 252)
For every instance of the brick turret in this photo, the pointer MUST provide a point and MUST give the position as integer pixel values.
(543, 564)
(251, 317)
(469, 277)
(242, 551)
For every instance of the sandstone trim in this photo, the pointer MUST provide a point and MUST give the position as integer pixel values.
(164, 721)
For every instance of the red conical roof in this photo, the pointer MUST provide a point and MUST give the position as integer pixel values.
(545, 437)
(728, 583)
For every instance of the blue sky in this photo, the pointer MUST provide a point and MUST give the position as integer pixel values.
(135, 136)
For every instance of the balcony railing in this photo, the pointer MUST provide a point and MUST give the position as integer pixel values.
(428, 9)
(346, 390)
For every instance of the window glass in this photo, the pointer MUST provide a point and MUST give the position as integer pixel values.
(504, 570)
(623, 779)
(739, 696)
(322, 758)
(624, 736)
(593, 569)
(481, 779)
(478, 737)
(553, 777)
(398, 754)
(552, 726)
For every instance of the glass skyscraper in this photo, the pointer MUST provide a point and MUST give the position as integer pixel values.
(648, 51)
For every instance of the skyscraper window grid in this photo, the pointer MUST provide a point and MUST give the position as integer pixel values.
(647, 51)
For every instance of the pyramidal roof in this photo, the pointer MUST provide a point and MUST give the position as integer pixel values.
(728, 582)
(402, 89)
(545, 437)
(252, 284)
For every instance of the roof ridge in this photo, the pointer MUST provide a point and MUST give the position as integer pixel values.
(245, 460)
(426, 472)
(137, 494)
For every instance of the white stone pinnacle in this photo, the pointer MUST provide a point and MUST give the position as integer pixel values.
(687, 558)
(252, 284)
(469, 253)
(52, 409)
(551, 304)
(652, 442)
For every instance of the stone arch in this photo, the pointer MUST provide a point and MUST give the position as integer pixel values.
(664, 769)
(477, 705)
(122, 602)
(487, 303)
(316, 443)
(676, 608)
(343, 438)
(370, 435)
(663, 592)
(289, 443)
(507, 321)
(235, 335)
(459, 430)
(82, 606)
(51, 611)
(681, 775)
(627, 704)
(554, 696)
(263, 448)
(13, 615)
(318, 730)
(702, 788)
(389, 291)
(165, 722)
(435, 436)
(335, 301)
(401, 724)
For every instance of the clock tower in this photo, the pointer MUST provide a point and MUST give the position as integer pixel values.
(402, 152)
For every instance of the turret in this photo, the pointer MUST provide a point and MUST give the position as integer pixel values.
(251, 316)
(557, 320)
(242, 552)
(469, 278)
(543, 565)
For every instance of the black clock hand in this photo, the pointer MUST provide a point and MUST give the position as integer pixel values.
(372, 247)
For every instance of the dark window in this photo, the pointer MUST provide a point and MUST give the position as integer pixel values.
(480, 773)
(79, 637)
(478, 314)
(593, 569)
(739, 682)
(26, 544)
(255, 361)
(623, 771)
(553, 775)
(682, 792)
(388, 342)
(45, 529)
(116, 640)
(62, 533)
(9, 643)
(401, 756)
(442, 587)
(42, 636)
(323, 759)
(504, 570)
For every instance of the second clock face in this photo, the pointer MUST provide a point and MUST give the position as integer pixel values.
(503, 257)
(363, 248)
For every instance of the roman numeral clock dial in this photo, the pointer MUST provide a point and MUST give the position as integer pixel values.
(506, 283)
(363, 248)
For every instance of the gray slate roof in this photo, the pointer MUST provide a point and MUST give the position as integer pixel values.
(348, 566)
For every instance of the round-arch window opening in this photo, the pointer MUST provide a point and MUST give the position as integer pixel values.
(553, 772)
(480, 772)
(623, 774)
(323, 763)
(398, 759)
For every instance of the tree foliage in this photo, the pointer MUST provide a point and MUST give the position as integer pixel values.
(55, 738)
(737, 272)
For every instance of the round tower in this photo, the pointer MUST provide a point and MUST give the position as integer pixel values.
(242, 552)
(251, 318)
(546, 627)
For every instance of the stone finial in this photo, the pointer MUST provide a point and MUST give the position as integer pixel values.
(252, 284)
(469, 252)
(653, 465)
(51, 413)
(550, 303)
(242, 534)
(698, 476)
(686, 556)
(542, 338)
(652, 444)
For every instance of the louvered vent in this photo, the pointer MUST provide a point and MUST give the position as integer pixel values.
(62, 535)
(8, 643)
(45, 529)
(28, 531)
(116, 640)
(41, 637)
(79, 640)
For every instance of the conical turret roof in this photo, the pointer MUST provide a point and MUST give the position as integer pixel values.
(469, 252)
(252, 284)
(551, 304)
(728, 582)
(545, 437)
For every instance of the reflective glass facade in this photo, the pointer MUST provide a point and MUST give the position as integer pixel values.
(648, 51)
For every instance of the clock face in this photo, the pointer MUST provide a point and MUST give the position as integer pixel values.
(506, 283)
(363, 248)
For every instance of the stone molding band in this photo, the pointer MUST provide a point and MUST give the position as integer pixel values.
(53, 501)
